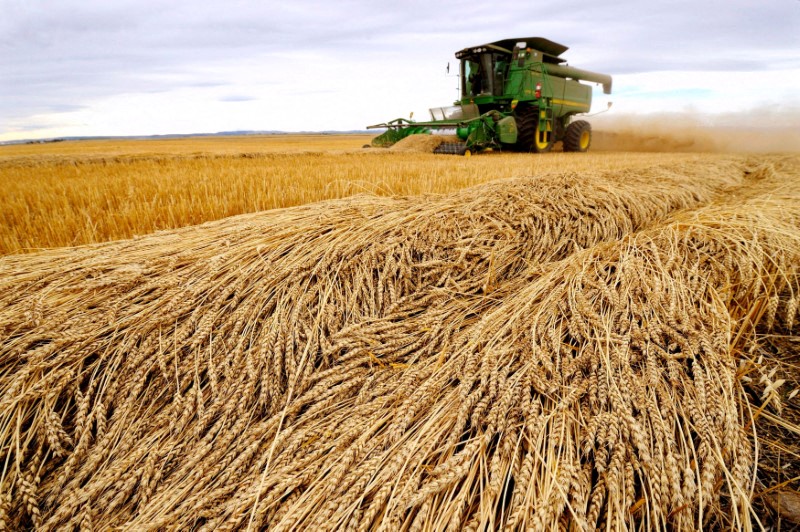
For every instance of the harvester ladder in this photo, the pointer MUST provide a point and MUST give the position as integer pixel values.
(545, 102)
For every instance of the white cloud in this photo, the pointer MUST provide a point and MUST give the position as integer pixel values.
(91, 68)
(706, 92)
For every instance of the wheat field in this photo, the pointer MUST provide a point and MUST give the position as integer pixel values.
(417, 342)
(73, 193)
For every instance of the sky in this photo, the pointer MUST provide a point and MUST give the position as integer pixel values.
(125, 67)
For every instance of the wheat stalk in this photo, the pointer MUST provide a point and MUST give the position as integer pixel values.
(531, 352)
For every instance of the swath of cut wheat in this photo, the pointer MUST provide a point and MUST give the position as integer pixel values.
(533, 352)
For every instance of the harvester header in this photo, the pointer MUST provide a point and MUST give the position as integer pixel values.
(516, 94)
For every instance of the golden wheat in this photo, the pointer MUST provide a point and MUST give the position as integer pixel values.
(74, 193)
(564, 350)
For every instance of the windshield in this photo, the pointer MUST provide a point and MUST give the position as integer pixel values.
(483, 73)
(473, 81)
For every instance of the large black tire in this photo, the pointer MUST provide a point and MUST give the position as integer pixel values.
(527, 117)
(578, 136)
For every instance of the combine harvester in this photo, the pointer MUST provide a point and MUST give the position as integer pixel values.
(516, 94)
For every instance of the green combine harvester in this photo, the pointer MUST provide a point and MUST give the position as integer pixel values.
(516, 94)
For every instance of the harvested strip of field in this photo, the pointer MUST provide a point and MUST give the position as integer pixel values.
(524, 352)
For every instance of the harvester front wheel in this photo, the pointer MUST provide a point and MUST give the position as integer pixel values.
(578, 136)
(529, 138)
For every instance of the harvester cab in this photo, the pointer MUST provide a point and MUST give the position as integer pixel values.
(516, 94)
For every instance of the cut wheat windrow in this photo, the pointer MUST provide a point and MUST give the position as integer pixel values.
(531, 352)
